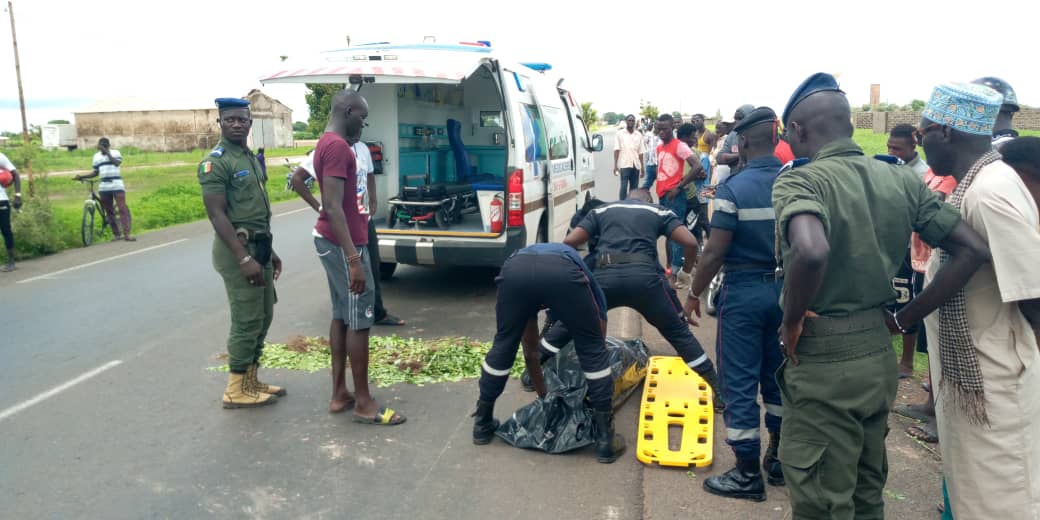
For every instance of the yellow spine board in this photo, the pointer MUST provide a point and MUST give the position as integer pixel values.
(674, 395)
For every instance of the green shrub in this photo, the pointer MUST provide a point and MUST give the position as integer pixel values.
(39, 230)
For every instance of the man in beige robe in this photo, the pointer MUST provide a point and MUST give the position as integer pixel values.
(992, 469)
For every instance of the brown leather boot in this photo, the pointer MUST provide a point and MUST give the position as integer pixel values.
(241, 394)
(262, 387)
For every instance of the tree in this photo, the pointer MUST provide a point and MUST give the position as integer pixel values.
(612, 118)
(649, 111)
(299, 126)
(917, 105)
(57, 122)
(588, 114)
(319, 103)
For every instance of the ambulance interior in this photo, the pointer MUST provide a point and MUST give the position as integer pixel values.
(439, 134)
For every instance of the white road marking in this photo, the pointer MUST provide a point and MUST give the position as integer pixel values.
(57, 390)
(103, 260)
(294, 211)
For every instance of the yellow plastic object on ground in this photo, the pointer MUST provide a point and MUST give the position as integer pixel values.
(674, 396)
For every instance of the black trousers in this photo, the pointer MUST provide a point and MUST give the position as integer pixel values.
(644, 289)
(373, 257)
(629, 178)
(528, 283)
(5, 225)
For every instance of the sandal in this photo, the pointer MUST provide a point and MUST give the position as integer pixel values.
(923, 433)
(384, 417)
(912, 411)
(390, 320)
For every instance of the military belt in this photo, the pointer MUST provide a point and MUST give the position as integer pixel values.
(252, 236)
(608, 259)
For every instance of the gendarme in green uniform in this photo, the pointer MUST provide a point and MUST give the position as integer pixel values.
(836, 400)
(235, 172)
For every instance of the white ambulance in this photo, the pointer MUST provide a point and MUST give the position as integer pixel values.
(476, 156)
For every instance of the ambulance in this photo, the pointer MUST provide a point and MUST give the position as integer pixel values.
(475, 156)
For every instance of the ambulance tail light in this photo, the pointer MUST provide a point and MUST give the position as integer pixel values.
(515, 190)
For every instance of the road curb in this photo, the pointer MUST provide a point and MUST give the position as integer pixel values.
(624, 323)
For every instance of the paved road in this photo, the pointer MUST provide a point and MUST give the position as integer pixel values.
(107, 409)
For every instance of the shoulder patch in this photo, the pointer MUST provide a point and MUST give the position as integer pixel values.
(794, 164)
(205, 167)
(890, 159)
(217, 152)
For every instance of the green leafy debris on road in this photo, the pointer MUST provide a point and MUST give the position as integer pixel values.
(894, 495)
(391, 360)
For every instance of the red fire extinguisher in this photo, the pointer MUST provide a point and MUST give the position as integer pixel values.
(496, 214)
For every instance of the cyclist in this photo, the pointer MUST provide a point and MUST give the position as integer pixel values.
(111, 188)
(5, 210)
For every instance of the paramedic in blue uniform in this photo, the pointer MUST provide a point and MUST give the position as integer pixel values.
(748, 348)
(629, 271)
(554, 277)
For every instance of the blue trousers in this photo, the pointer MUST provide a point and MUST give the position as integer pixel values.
(651, 176)
(748, 357)
(678, 206)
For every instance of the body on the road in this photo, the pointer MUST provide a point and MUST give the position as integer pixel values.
(243, 253)
(5, 210)
(340, 237)
(628, 156)
(843, 223)
(629, 272)
(554, 277)
(748, 350)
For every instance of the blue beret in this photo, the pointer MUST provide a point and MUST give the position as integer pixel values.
(819, 82)
(755, 117)
(225, 103)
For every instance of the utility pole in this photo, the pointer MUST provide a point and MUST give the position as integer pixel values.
(21, 96)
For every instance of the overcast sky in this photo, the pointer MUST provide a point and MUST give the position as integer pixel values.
(696, 56)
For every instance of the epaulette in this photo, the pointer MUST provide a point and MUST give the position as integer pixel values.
(794, 164)
(890, 159)
(217, 152)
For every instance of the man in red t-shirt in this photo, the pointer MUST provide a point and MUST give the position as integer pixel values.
(339, 237)
(671, 184)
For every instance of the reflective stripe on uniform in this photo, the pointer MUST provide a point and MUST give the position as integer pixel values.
(734, 434)
(494, 372)
(774, 409)
(599, 374)
(698, 361)
(756, 214)
(725, 206)
(652, 209)
(548, 346)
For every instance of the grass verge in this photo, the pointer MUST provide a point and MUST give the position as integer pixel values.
(391, 359)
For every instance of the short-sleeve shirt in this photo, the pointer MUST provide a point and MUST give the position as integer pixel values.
(364, 167)
(629, 226)
(568, 252)
(334, 157)
(744, 205)
(670, 159)
(868, 209)
(108, 171)
(234, 172)
(630, 146)
(6, 164)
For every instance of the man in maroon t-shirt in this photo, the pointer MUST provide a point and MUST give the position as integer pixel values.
(339, 237)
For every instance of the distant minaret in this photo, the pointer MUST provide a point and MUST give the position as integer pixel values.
(875, 95)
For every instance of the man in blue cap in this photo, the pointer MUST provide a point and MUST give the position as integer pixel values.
(984, 341)
(742, 244)
(843, 222)
(233, 190)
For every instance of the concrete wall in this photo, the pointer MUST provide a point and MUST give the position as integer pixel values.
(162, 131)
(265, 107)
(883, 122)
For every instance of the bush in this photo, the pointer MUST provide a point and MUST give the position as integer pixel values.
(39, 230)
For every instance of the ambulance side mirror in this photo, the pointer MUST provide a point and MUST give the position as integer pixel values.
(597, 143)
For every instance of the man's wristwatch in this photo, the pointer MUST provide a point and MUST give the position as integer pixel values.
(17, 194)
(245, 260)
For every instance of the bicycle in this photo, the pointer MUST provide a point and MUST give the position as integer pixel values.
(91, 207)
